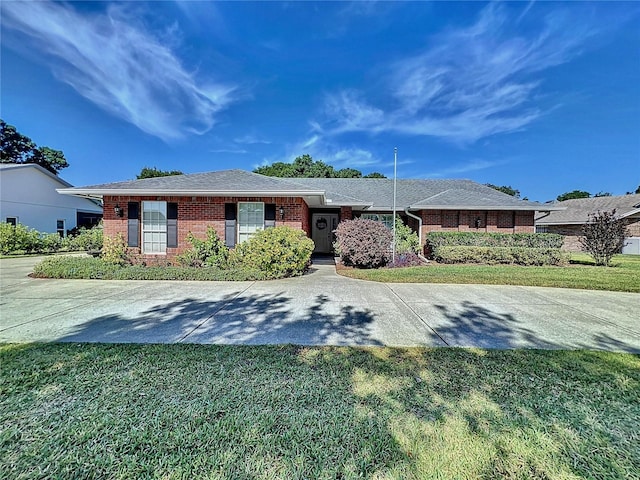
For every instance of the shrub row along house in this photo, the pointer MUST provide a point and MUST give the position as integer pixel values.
(155, 215)
(569, 220)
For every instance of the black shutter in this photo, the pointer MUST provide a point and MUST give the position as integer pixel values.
(230, 224)
(133, 224)
(172, 225)
(269, 215)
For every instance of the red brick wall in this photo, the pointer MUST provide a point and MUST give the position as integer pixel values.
(572, 233)
(195, 214)
(346, 213)
(465, 221)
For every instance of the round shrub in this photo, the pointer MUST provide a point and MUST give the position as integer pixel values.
(210, 252)
(85, 239)
(19, 238)
(278, 252)
(363, 243)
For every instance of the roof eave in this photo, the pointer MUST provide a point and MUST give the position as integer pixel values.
(481, 207)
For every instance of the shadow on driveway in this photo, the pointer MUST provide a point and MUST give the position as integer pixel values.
(252, 319)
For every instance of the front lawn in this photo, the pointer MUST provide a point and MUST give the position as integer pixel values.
(190, 411)
(623, 276)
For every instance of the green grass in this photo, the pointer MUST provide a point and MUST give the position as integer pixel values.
(623, 276)
(189, 411)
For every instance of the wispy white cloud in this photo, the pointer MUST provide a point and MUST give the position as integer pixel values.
(339, 156)
(120, 66)
(470, 166)
(251, 139)
(469, 83)
(236, 151)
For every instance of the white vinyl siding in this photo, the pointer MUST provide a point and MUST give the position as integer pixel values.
(154, 227)
(250, 219)
(385, 218)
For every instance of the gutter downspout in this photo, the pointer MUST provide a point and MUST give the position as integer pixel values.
(409, 214)
(548, 212)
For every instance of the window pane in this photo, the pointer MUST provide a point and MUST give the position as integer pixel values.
(250, 219)
(154, 227)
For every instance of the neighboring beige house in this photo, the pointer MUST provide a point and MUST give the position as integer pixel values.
(568, 222)
(28, 196)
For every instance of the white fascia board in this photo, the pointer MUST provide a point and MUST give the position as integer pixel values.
(482, 207)
(630, 213)
(542, 222)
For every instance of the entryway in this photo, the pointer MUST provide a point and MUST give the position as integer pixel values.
(322, 228)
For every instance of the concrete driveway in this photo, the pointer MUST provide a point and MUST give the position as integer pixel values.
(321, 308)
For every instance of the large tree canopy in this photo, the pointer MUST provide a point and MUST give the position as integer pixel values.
(573, 194)
(153, 172)
(505, 189)
(305, 166)
(18, 148)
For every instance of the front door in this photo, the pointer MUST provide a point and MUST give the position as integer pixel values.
(322, 227)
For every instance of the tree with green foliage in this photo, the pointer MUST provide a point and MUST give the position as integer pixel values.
(147, 172)
(573, 195)
(18, 148)
(603, 236)
(602, 194)
(349, 173)
(305, 166)
(636, 192)
(505, 189)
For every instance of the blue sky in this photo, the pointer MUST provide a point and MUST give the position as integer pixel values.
(542, 96)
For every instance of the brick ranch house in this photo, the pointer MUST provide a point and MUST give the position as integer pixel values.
(575, 213)
(155, 215)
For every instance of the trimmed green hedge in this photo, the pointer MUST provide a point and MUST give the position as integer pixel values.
(96, 268)
(20, 239)
(501, 255)
(477, 239)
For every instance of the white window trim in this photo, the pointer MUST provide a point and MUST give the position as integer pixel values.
(238, 220)
(377, 217)
(142, 230)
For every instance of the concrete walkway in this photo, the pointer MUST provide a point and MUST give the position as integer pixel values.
(321, 308)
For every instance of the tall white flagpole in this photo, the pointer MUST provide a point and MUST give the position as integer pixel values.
(395, 163)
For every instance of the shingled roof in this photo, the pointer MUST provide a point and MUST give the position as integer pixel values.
(577, 211)
(433, 194)
(224, 181)
(360, 193)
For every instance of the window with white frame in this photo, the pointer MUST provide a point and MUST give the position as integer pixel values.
(385, 218)
(250, 219)
(154, 227)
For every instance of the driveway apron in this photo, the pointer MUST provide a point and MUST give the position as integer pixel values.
(319, 308)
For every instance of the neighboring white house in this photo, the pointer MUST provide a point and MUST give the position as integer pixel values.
(28, 196)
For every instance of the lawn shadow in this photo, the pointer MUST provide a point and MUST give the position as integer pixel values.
(234, 319)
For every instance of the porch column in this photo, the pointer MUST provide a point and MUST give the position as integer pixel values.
(346, 213)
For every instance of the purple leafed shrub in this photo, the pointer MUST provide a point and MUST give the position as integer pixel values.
(363, 243)
(603, 236)
(408, 259)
